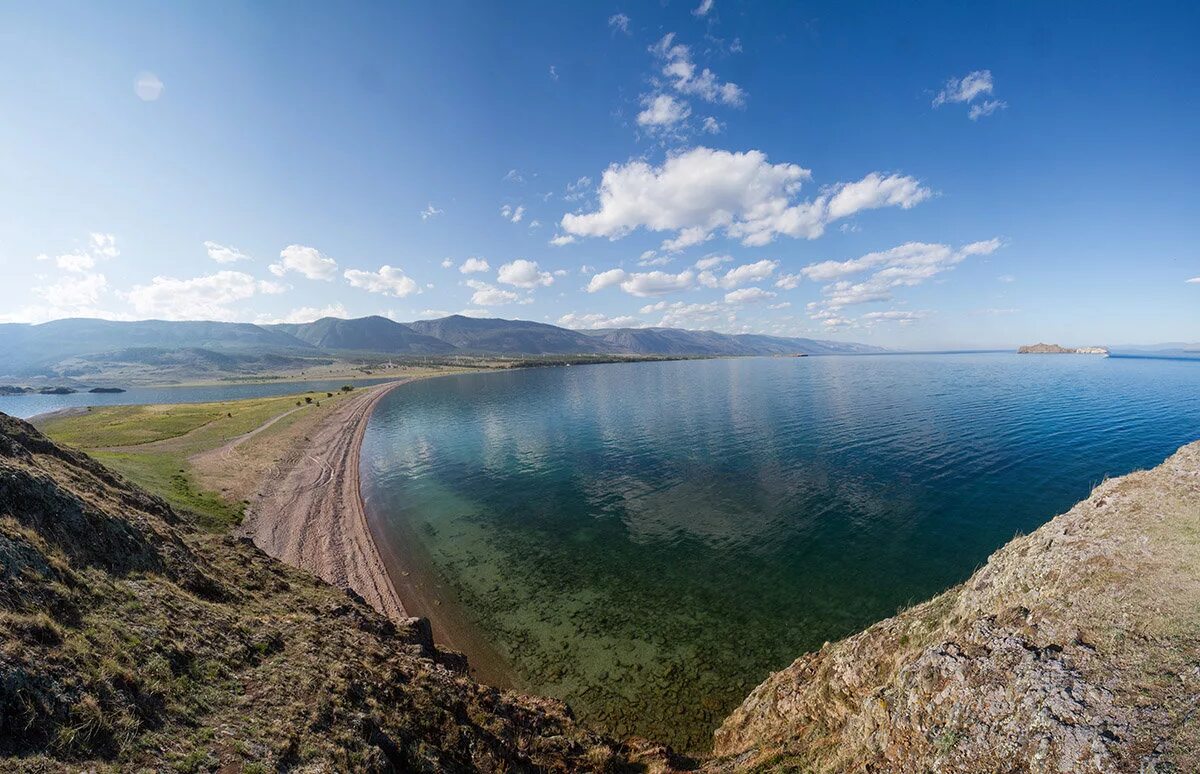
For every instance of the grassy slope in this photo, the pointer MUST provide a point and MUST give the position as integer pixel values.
(152, 445)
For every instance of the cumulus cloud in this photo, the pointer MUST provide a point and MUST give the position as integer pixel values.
(388, 281)
(490, 295)
(748, 296)
(103, 245)
(430, 212)
(447, 263)
(642, 284)
(619, 21)
(596, 320)
(513, 213)
(222, 254)
(578, 190)
(703, 190)
(559, 240)
(77, 262)
(985, 108)
(1193, 280)
(688, 237)
(683, 315)
(746, 274)
(904, 266)
(200, 298)
(473, 265)
(662, 111)
(711, 125)
(683, 75)
(712, 261)
(523, 274)
(307, 261)
(788, 281)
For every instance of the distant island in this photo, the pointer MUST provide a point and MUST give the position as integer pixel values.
(1054, 349)
(8, 389)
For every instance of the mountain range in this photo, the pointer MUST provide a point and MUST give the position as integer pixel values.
(75, 346)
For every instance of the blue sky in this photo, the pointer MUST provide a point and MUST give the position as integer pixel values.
(944, 176)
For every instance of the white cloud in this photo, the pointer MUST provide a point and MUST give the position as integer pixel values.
(304, 260)
(148, 87)
(475, 312)
(985, 108)
(746, 274)
(788, 281)
(682, 315)
(711, 125)
(430, 212)
(619, 21)
(473, 265)
(662, 111)
(894, 315)
(490, 295)
(1007, 278)
(681, 71)
(579, 189)
(643, 284)
(304, 314)
(703, 190)
(904, 266)
(447, 263)
(388, 281)
(966, 88)
(712, 261)
(688, 237)
(703, 9)
(103, 245)
(553, 73)
(523, 274)
(200, 298)
(77, 262)
(748, 296)
(1193, 280)
(514, 176)
(780, 305)
(597, 320)
(562, 239)
(513, 214)
(223, 254)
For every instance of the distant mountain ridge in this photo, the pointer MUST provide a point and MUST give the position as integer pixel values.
(71, 347)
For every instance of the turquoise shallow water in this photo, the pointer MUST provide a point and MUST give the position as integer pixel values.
(650, 540)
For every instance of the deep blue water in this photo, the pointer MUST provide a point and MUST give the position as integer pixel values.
(25, 406)
(649, 540)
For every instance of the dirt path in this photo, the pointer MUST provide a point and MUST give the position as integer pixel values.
(310, 514)
(223, 451)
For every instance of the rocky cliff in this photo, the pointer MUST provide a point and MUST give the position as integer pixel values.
(129, 641)
(1076, 648)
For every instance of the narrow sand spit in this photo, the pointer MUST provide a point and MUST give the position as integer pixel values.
(310, 514)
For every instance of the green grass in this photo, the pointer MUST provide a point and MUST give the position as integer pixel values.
(166, 475)
(196, 427)
(131, 425)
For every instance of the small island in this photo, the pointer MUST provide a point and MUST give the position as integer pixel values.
(106, 390)
(1054, 349)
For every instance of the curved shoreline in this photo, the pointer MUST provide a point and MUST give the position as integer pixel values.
(310, 512)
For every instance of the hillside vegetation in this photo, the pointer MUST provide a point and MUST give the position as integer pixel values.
(130, 641)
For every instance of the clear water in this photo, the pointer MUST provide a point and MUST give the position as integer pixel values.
(25, 406)
(648, 541)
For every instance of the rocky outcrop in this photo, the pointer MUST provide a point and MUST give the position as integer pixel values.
(1076, 648)
(131, 642)
(1054, 349)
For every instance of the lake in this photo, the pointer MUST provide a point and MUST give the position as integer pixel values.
(649, 540)
(32, 404)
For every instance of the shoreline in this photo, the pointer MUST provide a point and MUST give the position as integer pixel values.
(309, 513)
(312, 513)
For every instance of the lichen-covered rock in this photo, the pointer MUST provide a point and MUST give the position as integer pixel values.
(1077, 648)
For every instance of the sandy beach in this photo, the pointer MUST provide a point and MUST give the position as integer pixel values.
(310, 514)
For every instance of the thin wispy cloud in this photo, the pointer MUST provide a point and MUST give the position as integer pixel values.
(967, 89)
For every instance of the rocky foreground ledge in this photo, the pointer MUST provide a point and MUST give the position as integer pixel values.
(1076, 648)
